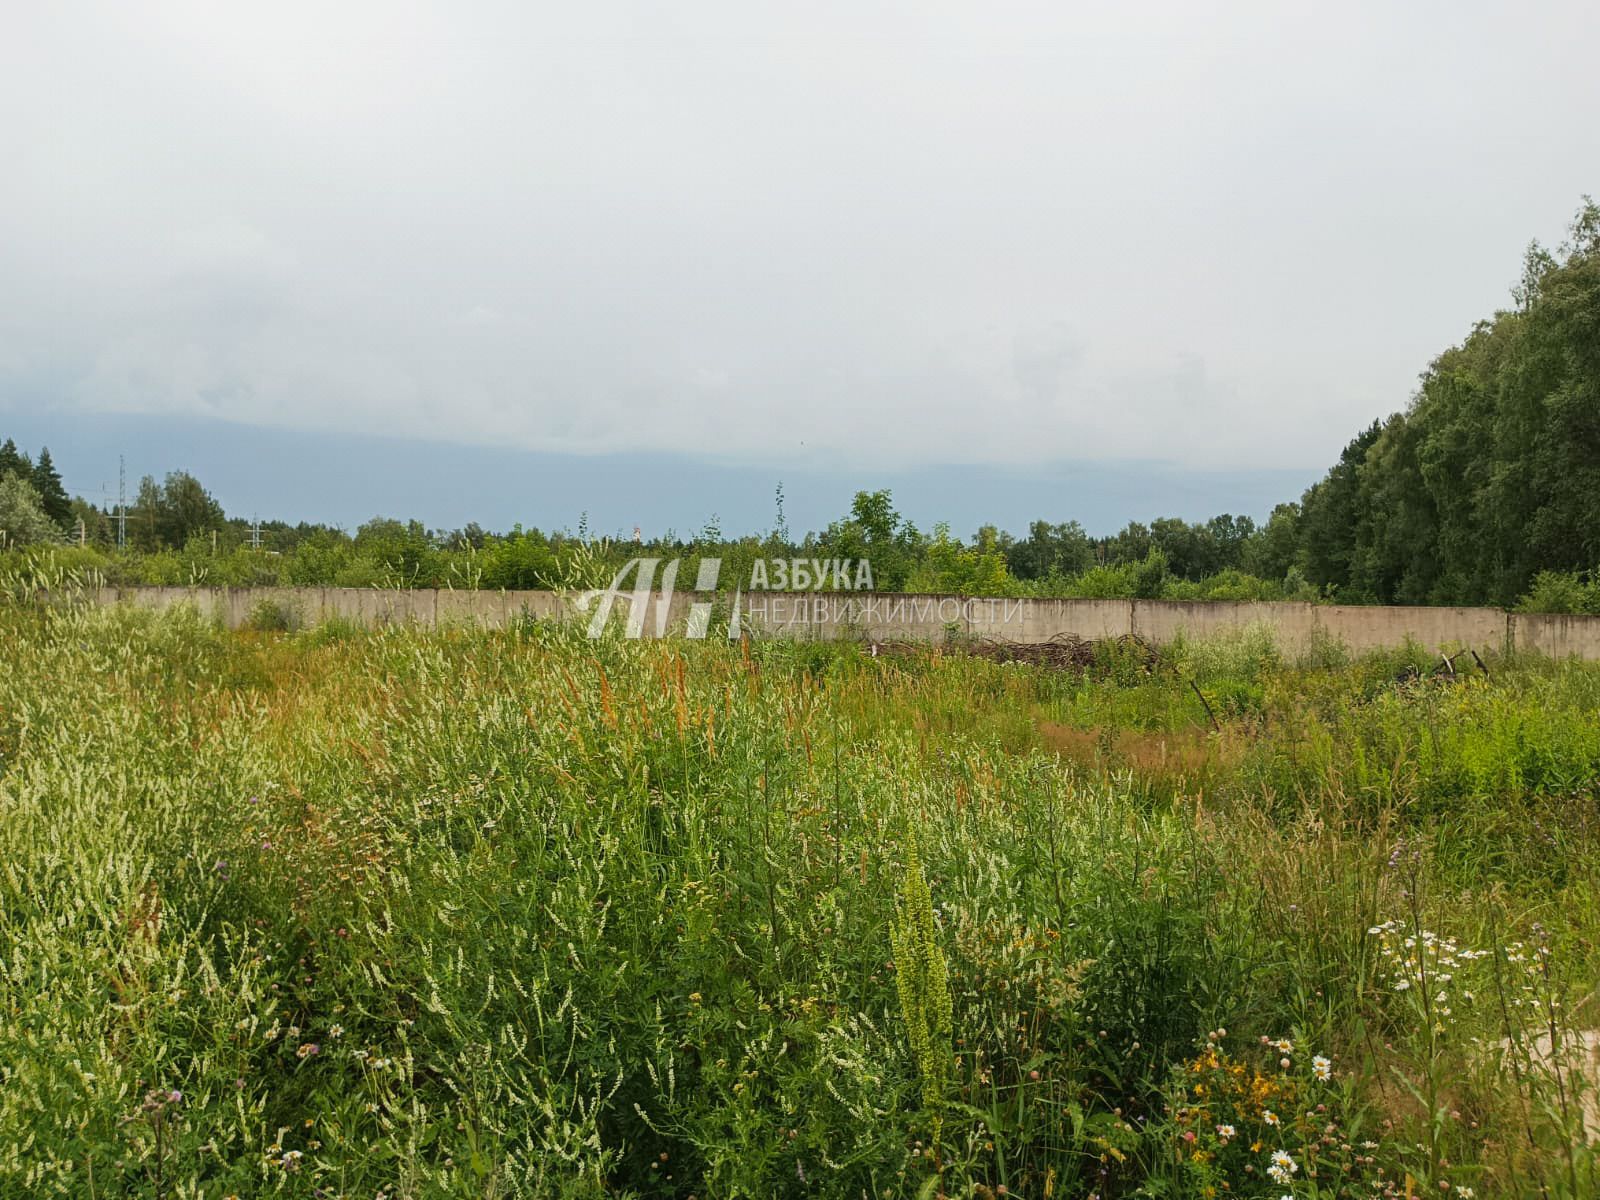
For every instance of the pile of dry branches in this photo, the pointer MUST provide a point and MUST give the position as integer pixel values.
(1064, 652)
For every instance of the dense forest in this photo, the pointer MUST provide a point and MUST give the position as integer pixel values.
(1492, 475)
(1485, 489)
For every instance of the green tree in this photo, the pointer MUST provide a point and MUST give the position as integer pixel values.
(1150, 576)
(951, 568)
(1271, 551)
(1231, 535)
(145, 516)
(52, 496)
(874, 531)
(1330, 512)
(1537, 264)
(1191, 551)
(521, 560)
(23, 521)
(169, 514)
(13, 461)
(1132, 544)
(1050, 551)
(403, 550)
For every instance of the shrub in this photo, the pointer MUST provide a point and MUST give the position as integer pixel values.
(272, 616)
(1562, 592)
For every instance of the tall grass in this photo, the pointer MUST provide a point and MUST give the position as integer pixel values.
(356, 913)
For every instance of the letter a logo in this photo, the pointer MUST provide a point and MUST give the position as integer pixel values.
(638, 599)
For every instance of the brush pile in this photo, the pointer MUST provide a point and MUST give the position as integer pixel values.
(1063, 652)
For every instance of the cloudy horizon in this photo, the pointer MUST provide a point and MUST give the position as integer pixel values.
(881, 238)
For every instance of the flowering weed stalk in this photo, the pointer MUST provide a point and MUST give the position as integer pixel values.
(923, 982)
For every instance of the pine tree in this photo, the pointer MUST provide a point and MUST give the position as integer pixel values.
(52, 496)
(14, 462)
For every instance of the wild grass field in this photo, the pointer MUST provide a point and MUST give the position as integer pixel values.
(385, 914)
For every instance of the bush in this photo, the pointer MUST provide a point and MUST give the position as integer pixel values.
(272, 616)
(1562, 592)
(1244, 654)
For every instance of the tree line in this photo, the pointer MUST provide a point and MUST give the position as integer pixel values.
(176, 532)
(1486, 488)
(1488, 484)
(33, 504)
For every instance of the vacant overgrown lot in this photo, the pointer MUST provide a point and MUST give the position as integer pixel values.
(361, 914)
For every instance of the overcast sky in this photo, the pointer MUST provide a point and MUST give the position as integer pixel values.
(889, 235)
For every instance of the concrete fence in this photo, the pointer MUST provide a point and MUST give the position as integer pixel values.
(884, 616)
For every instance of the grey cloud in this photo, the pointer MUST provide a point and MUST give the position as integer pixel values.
(760, 233)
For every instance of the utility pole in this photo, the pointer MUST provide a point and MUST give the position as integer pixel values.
(122, 502)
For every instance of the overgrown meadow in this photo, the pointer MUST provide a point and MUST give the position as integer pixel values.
(391, 913)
